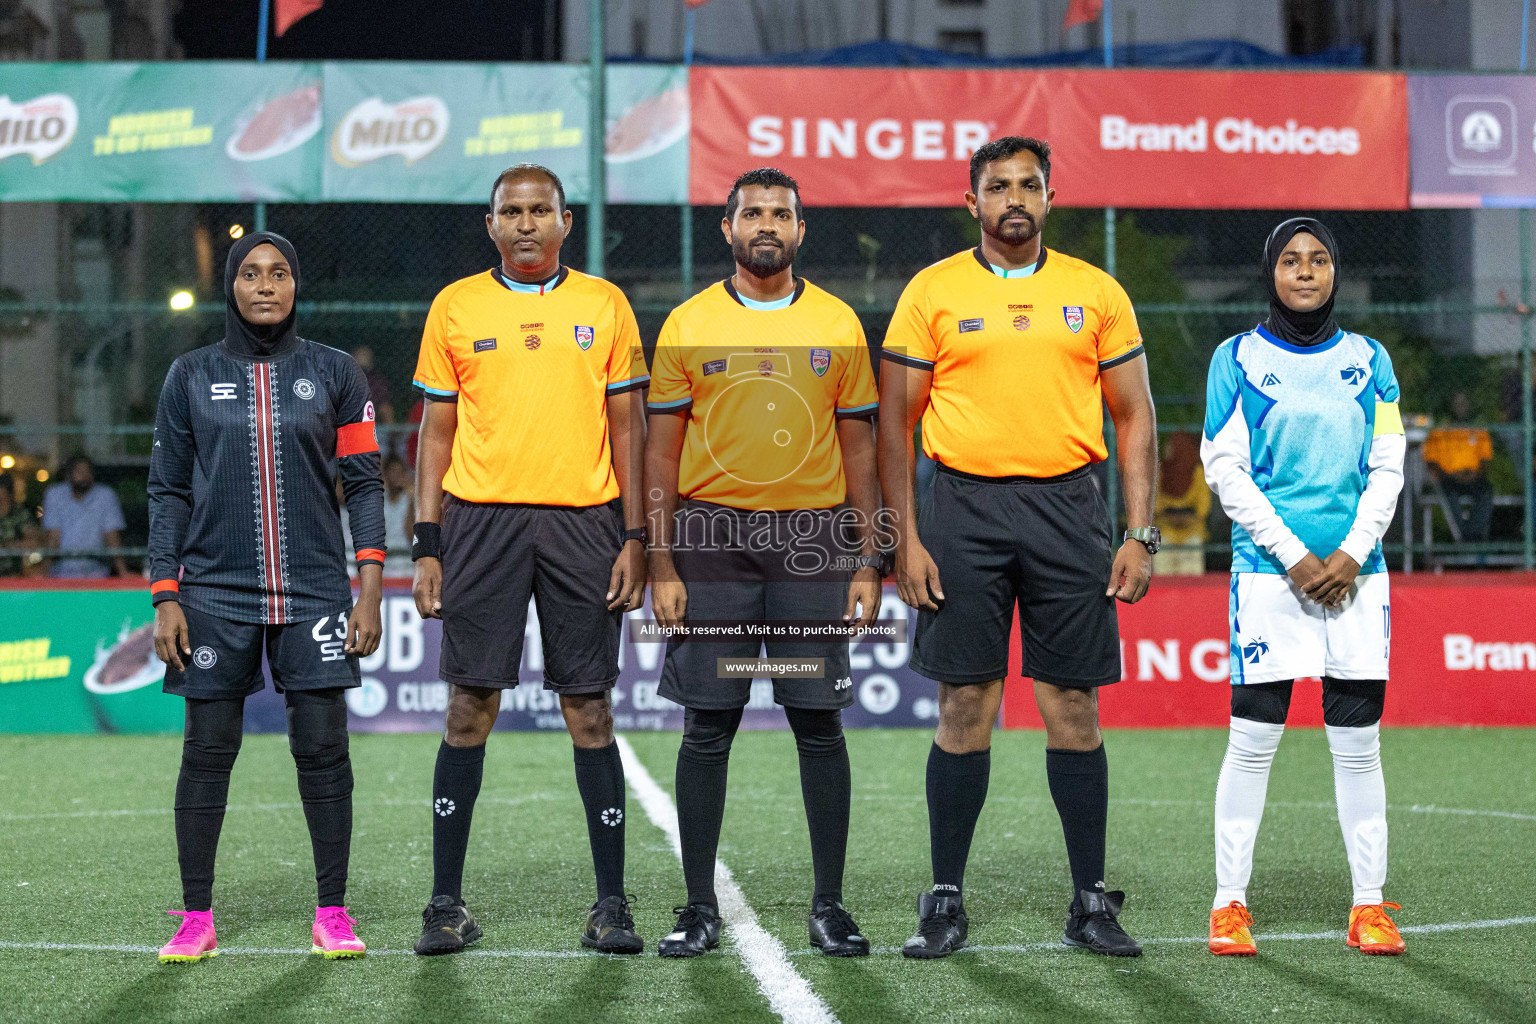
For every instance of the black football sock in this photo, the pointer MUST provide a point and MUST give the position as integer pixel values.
(1079, 782)
(209, 747)
(455, 785)
(600, 779)
(827, 788)
(702, 762)
(957, 788)
(317, 735)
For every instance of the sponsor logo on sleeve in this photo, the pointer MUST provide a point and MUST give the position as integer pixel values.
(584, 338)
(1074, 317)
(966, 326)
(821, 359)
(368, 414)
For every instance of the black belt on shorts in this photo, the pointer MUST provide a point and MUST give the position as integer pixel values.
(1062, 478)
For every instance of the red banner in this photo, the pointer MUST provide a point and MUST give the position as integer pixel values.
(1177, 139)
(1463, 653)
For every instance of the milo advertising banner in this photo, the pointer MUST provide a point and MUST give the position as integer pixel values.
(215, 131)
(173, 132)
(84, 661)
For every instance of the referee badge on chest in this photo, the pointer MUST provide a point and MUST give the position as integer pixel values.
(821, 358)
(1074, 315)
(584, 338)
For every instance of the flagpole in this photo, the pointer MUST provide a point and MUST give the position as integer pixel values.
(685, 218)
(598, 128)
(263, 20)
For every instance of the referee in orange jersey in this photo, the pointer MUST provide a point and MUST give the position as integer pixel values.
(527, 484)
(1007, 353)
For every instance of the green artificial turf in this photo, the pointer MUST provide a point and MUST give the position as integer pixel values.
(87, 856)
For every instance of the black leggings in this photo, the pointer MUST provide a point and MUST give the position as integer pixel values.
(317, 736)
(1354, 703)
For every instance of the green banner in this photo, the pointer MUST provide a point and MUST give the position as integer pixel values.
(81, 661)
(199, 131)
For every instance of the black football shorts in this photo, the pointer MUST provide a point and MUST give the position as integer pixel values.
(1041, 544)
(495, 557)
(225, 661)
(733, 574)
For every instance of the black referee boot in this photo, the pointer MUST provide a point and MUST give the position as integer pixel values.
(611, 928)
(941, 929)
(834, 932)
(697, 932)
(447, 927)
(1092, 924)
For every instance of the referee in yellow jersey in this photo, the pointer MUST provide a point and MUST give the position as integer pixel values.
(761, 400)
(1007, 353)
(527, 482)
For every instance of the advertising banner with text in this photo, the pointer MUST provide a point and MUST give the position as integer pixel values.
(1463, 653)
(1474, 140)
(1178, 139)
(207, 131)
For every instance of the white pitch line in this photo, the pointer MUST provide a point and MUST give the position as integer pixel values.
(789, 995)
(574, 954)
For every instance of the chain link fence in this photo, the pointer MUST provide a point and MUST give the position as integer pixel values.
(87, 329)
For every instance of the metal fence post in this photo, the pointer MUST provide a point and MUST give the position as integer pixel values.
(1528, 527)
(597, 132)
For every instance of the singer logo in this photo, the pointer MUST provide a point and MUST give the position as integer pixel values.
(41, 128)
(884, 138)
(1231, 135)
(373, 129)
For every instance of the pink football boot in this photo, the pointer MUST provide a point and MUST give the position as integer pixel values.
(195, 940)
(333, 935)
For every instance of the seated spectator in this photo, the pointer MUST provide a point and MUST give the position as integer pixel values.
(378, 385)
(1182, 505)
(1457, 458)
(399, 518)
(80, 514)
(18, 527)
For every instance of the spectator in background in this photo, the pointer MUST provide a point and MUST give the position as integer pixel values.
(399, 518)
(80, 514)
(18, 526)
(378, 385)
(1183, 502)
(1457, 458)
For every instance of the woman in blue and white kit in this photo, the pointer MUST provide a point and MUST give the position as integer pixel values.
(1304, 447)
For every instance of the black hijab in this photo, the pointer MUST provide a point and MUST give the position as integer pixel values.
(242, 338)
(1316, 325)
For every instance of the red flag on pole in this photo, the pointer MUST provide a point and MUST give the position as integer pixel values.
(692, 4)
(290, 11)
(1079, 12)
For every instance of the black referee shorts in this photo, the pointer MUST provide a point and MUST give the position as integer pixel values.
(495, 557)
(225, 662)
(734, 575)
(1041, 543)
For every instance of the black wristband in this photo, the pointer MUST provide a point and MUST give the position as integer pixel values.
(426, 541)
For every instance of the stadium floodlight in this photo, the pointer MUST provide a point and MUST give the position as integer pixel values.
(7, 461)
(42, 476)
(236, 230)
(182, 300)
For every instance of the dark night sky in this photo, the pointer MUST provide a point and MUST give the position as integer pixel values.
(477, 30)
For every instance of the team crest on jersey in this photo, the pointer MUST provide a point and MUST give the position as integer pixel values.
(532, 342)
(820, 359)
(1352, 374)
(583, 338)
(305, 389)
(1074, 315)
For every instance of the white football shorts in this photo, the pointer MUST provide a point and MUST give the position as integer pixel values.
(1278, 633)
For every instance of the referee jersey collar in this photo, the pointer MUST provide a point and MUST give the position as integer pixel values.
(784, 303)
(999, 272)
(531, 287)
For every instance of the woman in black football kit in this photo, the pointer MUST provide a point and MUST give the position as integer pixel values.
(246, 554)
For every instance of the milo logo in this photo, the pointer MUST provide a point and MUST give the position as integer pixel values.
(410, 129)
(41, 128)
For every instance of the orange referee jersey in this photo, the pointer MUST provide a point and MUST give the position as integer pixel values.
(763, 389)
(1015, 360)
(531, 369)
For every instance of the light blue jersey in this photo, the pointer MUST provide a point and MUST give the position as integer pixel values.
(1305, 417)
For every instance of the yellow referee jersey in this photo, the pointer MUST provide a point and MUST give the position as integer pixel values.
(763, 389)
(1015, 360)
(531, 368)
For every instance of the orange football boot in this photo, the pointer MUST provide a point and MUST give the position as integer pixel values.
(1372, 931)
(1229, 931)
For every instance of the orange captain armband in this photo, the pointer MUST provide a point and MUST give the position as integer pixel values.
(370, 555)
(356, 439)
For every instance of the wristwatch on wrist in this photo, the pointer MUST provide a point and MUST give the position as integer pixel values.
(1150, 536)
(640, 534)
(874, 562)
